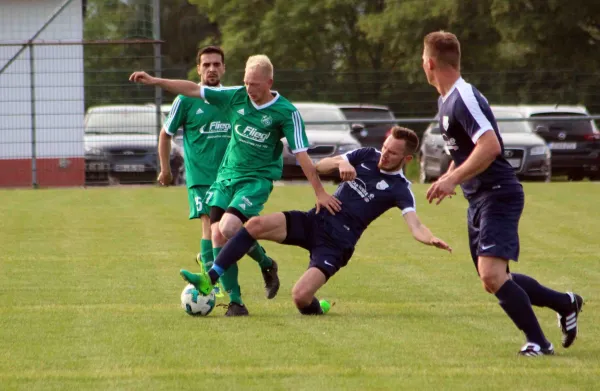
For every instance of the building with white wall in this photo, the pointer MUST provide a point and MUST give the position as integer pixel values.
(57, 94)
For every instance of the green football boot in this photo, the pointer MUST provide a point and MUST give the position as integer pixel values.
(200, 280)
(218, 286)
(325, 306)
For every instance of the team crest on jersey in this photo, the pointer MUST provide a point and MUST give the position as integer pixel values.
(382, 185)
(266, 120)
(445, 122)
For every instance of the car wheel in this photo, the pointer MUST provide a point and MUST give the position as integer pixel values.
(575, 177)
(423, 178)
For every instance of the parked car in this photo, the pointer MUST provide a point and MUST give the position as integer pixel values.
(373, 135)
(575, 144)
(325, 140)
(121, 145)
(526, 152)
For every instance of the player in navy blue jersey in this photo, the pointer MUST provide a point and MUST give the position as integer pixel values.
(373, 182)
(495, 197)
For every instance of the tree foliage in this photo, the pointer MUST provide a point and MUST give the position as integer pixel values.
(518, 51)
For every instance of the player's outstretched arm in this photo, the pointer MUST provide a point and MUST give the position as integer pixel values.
(183, 87)
(330, 164)
(323, 198)
(165, 177)
(421, 233)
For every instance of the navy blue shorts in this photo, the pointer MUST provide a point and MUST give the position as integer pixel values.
(328, 252)
(493, 222)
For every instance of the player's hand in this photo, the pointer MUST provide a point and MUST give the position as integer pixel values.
(347, 171)
(142, 77)
(439, 243)
(165, 178)
(442, 188)
(329, 202)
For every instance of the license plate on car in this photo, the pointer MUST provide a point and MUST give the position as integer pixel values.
(562, 145)
(129, 168)
(515, 163)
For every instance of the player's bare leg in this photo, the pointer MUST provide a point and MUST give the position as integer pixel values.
(304, 292)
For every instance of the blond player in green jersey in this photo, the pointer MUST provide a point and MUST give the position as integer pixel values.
(260, 118)
(206, 134)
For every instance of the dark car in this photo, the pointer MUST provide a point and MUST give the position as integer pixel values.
(526, 152)
(374, 134)
(121, 146)
(575, 144)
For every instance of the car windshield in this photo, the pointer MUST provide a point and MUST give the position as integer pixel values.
(323, 114)
(511, 126)
(571, 126)
(360, 113)
(121, 122)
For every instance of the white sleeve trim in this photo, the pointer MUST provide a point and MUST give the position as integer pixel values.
(172, 113)
(407, 210)
(298, 133)
(202, 89)
(169, 133)
(298, 150)
(479, 133)
(466, 92)
(345, 156)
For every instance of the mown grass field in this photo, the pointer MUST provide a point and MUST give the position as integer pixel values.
(89, 299)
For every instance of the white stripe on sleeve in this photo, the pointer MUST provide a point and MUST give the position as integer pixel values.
(172, 113)
(466, 92)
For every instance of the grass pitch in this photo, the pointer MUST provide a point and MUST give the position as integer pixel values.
(89, 299)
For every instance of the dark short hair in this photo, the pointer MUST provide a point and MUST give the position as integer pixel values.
(444, 47)
(208, 50)
(409, 136)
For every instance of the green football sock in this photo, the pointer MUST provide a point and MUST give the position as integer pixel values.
(229, 279)
(259, 255)
(206, 253)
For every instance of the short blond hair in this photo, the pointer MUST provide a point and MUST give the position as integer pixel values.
(261, 62)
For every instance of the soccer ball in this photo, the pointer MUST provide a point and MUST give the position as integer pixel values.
(195, 303)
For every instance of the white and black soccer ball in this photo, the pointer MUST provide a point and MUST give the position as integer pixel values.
(195, 303)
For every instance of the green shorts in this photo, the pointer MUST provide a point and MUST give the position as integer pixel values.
(247, 195)
(197, 201)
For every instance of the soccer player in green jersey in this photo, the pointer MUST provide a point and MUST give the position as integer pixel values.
(206, 134)
(260, 118)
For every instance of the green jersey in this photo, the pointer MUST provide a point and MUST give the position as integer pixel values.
(206, 133)
(255, 148)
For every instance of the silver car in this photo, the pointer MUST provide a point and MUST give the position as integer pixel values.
(526, 152)
(325, 140)
(121, 145)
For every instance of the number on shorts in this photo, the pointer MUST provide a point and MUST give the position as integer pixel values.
(198, 201)
(209, 195)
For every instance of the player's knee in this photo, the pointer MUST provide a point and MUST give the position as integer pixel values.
(228, 230)
(302, 297)
(255, 226)
(491, 281)
(217, 238)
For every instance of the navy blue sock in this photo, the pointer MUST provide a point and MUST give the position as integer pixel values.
(233, 251)
(515, 302)
(314, 308)
(541, 296)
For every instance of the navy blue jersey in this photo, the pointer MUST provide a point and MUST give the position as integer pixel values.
(368, 196)
(464, 115)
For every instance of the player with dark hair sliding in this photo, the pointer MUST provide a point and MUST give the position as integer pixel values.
(374, 182)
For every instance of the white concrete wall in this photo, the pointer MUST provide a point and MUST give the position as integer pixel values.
(59, 92)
